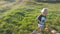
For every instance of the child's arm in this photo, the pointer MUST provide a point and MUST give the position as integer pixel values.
(38, 19)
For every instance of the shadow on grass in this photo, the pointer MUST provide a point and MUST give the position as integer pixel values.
(51, 2)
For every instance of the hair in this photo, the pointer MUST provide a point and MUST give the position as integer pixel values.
(44, 10)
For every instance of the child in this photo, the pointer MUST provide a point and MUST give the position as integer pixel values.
(41, 20)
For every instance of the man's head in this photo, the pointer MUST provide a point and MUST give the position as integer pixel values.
(53, 31)
(44, 11)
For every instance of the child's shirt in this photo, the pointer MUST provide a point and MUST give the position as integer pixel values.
(41, 19)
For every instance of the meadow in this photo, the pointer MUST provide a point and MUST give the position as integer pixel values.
(21, 19)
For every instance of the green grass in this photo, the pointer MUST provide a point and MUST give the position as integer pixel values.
(22, 20)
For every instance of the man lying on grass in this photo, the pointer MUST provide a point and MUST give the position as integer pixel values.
(53, 31)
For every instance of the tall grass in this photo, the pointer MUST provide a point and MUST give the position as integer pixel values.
(21, 19)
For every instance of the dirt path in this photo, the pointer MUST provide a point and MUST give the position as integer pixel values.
(11, 6)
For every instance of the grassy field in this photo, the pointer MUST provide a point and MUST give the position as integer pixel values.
(21, 19)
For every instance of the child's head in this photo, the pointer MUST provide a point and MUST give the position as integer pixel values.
(44, 11)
